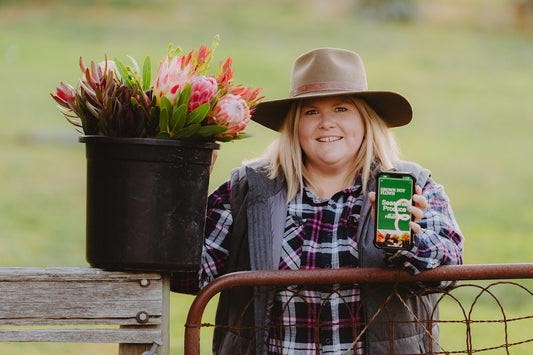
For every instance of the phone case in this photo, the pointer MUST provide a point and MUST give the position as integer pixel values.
(394, 191)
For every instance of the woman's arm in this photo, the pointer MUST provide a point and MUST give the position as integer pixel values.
(438, 240)
(218, 228)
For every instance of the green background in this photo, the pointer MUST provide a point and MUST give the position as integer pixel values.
(465, 66)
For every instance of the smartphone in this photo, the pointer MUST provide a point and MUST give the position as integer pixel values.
(394, 192)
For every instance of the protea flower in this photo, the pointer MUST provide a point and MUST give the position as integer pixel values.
(66, 99)
(200, 60)
(248, 94)
(111, 67)
(225, 74)
(232, 112)
(182, 102)
(171, 78)
(203, 90)
(65, 95)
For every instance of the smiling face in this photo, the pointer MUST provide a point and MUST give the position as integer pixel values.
(330, 131)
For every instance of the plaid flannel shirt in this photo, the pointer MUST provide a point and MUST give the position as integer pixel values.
(322, 234)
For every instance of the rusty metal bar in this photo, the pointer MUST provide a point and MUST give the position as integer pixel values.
(348, 275)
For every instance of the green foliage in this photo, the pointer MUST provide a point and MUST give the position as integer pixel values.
(173, 51)
(198, 114)
(133, 76)
(147, 74)
(178, 118)
(241, 135)
(469, 84)
(209, 130)
(185, 95)
(176, 123)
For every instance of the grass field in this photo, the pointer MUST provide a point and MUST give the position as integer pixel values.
(470, 84)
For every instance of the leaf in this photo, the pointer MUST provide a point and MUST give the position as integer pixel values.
(135, 65)
(134, 74)
(187, 131)
(185, 95)
(153, 121)
(147, 73)
(210, 130)
(163, 120)
(121, 68)
(163, 135)
(154, 113)
(92, 109)
(198, 114)
(177, 121)
(243, 135)
(165, 104)
(224, 139)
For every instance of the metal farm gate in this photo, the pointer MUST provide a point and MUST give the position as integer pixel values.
(484, 312)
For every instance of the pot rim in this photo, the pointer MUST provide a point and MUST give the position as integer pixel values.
(147, 141)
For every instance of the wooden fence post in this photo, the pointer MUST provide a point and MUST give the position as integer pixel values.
(164, 349)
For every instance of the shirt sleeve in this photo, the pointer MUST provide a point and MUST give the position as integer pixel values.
(218, 228)
(439, 242)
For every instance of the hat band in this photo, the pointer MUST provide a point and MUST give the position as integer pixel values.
(325, 86)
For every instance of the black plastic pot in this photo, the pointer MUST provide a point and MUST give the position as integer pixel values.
(146, 202)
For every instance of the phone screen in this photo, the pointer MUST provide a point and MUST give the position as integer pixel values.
(394, 193)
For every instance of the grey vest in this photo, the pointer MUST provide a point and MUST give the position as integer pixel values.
(259, 211)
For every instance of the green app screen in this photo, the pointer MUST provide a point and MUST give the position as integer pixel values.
(393, 196)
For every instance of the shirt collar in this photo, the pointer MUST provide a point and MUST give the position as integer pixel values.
(354, 189)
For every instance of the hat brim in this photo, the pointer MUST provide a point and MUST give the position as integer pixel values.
(392, 107)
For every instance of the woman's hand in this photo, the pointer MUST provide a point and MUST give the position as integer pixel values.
(420, 204)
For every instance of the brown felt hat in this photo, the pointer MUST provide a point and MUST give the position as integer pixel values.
(326, 72)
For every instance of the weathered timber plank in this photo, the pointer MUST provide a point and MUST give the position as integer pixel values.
(41, 322)
(142, 335)
(79, 310)
(76, 295)
(83, 290)
(70, 273)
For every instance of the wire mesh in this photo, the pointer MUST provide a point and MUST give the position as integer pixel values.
(490, 317)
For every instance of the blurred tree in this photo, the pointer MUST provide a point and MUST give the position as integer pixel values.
(389, 10)
(523, 14)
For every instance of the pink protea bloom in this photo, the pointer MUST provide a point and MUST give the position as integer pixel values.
(203, 90)
(170, 77)
(66, 93)
(232, 112)
(65, 97)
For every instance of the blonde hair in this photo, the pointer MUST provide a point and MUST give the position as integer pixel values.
(287, 160)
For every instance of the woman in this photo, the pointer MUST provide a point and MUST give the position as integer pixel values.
(308, 204)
